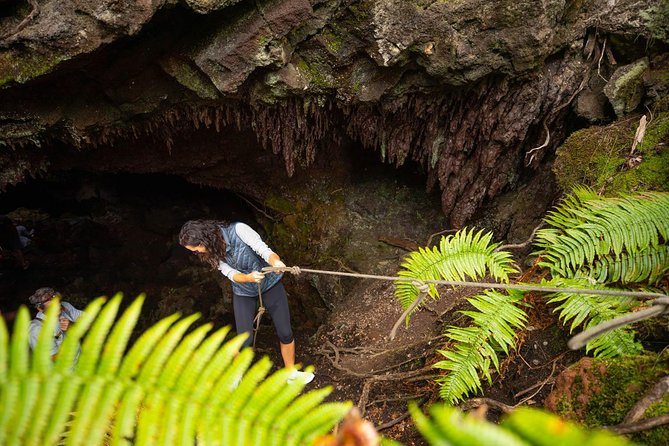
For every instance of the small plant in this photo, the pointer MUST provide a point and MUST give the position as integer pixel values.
(468, 255)
(168, 388)
(605, 243)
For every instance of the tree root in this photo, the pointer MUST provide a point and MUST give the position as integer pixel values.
(639, 426)
(478, 402)
(400, 418)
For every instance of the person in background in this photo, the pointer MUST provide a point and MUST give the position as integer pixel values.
(11, 242)
(239, 253)
(41, 299)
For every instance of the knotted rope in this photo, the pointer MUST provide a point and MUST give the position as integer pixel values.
(256, 320)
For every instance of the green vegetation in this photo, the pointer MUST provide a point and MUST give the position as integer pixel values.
(613, 387)
(523, 427)
(26, 67)
(592, 243)
(599, 157)
(172, 386)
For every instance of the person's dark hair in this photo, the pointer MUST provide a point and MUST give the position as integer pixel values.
(206, 233)
(42, 295)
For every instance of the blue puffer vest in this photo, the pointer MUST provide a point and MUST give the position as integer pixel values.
(241, 257)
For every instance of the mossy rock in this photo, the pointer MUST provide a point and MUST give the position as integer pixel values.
(600, 157)
(600, 392)
(625, 88)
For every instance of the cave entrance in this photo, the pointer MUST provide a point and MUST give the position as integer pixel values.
(94, 235)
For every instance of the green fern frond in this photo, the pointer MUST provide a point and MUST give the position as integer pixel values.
(648, 265)
(475, 347)
(449, 426)
(463, 255)
(589, 310)
(169, 388)
(525, 426)
(586, 227)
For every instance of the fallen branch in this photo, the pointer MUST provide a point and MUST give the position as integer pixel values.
(524, 400)
(423, 288)
(545, 144)
(445, 231)
(639, 426)
(640, 133)
(364, 395)
(656, 393)
(407, 245)
(478, 402)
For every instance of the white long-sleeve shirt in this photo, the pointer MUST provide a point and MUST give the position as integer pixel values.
(251, 238)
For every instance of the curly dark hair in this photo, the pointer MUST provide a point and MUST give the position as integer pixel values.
(208, 234)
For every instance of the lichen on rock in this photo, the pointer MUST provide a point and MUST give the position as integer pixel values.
(625, 88)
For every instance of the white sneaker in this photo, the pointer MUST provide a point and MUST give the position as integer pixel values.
(304, 377)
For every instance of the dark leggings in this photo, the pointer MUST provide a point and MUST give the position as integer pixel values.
(276, 302)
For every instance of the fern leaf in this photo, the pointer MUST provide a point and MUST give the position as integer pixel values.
(493, 325)
(4, 341)
(317, 422)
(179, 360)
(40, 417)
(41, 357)
(18, 357)
(69, 349)
(292, 415)
(188, 380)
(118, 339)
(125, 420)
(647, 265)
(28, 397)
(162, 351)
(589, 310)
(466, 254)
(121, 399)
(96, 337)
(587, 227)
(143, 347)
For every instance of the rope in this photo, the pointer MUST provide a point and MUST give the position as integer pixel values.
(504, 286)
(658, 307)
(660, 304)
(256, 320)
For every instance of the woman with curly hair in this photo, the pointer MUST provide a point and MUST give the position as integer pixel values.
(239, 253)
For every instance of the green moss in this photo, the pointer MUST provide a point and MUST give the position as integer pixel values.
(190, 77)
(659, 435)
(27, 66)
(599, 157)
(333, 40)
(315, 72)
(624, 382)
(614, 386)
(657, 20)
(301, 224)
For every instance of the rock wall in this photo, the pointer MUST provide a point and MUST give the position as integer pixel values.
(477, 93)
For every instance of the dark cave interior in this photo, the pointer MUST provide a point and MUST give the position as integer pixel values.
(101, 234)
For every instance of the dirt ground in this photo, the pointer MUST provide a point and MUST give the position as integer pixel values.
(352, 352)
